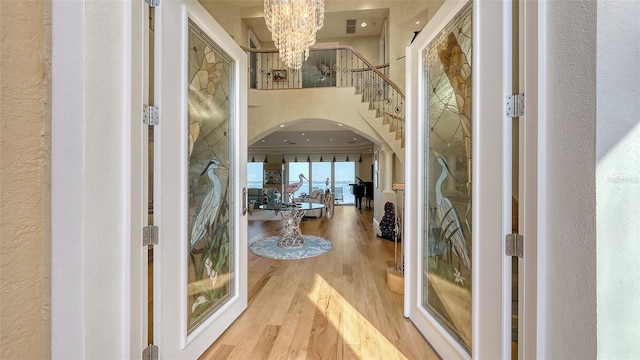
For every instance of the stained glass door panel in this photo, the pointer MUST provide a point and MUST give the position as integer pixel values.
(210, 251)
(447, 286)
(200, 264)
(458, 285)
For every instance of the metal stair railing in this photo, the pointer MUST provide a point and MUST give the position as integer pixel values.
(333, 66)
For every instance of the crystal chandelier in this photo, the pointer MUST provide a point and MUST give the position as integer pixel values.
(293, 25)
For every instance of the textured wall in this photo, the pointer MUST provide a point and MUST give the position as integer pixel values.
(570, 231)
(25, 181)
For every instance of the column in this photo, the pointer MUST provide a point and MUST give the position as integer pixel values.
(388, 171)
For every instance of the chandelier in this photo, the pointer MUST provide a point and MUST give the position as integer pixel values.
(293, 25)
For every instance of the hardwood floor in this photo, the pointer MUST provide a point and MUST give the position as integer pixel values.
(334, 306)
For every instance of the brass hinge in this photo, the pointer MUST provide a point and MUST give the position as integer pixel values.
(515, 105)
(150, 352)
(151, 115)
(150, 235)
(514, 245)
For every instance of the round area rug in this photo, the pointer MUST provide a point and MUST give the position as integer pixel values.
(313, 246)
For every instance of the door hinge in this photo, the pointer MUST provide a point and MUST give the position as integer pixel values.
(150, 352)
(514, 245)
(150, 235)
(152, 3)
(515, 105)
(151, 115)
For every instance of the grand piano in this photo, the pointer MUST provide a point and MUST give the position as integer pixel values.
(363, 189)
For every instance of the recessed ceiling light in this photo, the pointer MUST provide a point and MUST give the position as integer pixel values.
(330, 139)
(355, 138)
(263, 140)
(308, 140)
(339, 124)
(364, 24)
(281, 125)
(285, 140)
(302, 134)
(418, 22)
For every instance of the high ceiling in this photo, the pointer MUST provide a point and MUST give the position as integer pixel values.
(318, 134)
(335, 25)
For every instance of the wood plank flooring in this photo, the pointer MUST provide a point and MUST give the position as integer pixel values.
(334, 306)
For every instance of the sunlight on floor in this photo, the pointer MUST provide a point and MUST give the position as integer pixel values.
(358, 334)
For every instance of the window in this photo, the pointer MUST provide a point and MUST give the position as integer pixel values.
(320, 172)
(345, 174)
(254, 175)
(295, 169)
(340, 175)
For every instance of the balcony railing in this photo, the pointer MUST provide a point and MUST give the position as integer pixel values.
(333, 66)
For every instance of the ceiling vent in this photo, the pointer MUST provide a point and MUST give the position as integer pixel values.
(351, 26)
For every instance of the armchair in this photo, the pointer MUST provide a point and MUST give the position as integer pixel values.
(316, 196)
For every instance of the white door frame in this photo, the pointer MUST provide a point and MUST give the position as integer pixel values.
(98, 301)
(139, 179)
(531, 211)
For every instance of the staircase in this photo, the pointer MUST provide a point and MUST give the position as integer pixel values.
(382, 101)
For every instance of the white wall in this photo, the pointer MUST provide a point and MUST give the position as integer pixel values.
(570, 234)
(269, 109)
(618, 179)
(367, 46)
(231, 21)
